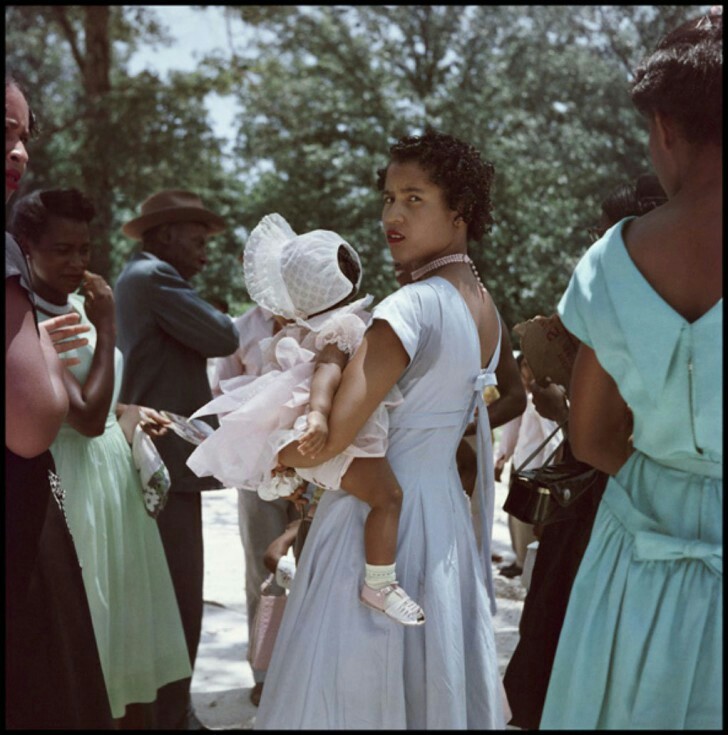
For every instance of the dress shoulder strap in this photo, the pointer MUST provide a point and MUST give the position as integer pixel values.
(495, 359)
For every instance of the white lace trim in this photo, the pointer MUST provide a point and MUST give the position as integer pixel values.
(345, 331)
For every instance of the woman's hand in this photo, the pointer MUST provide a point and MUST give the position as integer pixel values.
(99, 302)
(549, 400)
(150, 421)
(66, 327)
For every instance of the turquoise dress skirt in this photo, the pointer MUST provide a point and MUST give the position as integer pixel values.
(132, 601)
(642, 641)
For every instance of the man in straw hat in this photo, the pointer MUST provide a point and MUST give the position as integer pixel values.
(166, 332)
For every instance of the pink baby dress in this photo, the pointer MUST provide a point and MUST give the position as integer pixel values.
(259, 415)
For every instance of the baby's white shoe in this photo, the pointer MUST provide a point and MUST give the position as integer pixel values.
(394, 602)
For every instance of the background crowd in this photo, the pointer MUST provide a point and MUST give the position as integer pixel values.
(104, 597)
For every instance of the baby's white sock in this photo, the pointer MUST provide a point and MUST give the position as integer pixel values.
(377, 576)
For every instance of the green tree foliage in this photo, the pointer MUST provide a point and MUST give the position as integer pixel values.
(119, 137)
(542, 91)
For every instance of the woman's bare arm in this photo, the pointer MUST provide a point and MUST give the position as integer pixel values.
(599, 419)
(36, 401)
(512, 400)
(90, 402)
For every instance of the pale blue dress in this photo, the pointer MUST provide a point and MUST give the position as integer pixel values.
(642, 642)
(133, 606)
(339, 665)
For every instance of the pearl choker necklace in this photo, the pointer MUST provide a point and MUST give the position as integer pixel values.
(444, 260)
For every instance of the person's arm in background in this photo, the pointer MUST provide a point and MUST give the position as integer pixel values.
(224, 368)
(233, 365)
(506, 445)
(600, 421)
(36, 402)
(187, 317)
(512, 400)
(550, 401)
(151, 422)
(89, 403)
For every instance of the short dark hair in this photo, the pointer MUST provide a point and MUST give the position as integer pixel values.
(634, 198)
(31, 213)
(683, 79)
(457, 168)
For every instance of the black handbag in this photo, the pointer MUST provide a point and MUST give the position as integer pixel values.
(536, 496)
(567, 481)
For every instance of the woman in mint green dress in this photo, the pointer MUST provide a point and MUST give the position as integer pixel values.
(642, 644)
(133, 605)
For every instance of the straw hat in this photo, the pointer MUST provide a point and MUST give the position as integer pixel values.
(172, 206)
(295, 276)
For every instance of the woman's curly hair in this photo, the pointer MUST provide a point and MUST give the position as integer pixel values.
(683, 79)
(457, 168)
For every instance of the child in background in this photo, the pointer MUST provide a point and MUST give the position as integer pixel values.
(307, 281)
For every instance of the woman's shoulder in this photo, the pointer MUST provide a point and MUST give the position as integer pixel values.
(605, 247)
(599, 262)
(414, 310)
(589, 294)
(15, 263)
(413, 295)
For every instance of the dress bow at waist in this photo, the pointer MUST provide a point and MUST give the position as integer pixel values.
(651, 546)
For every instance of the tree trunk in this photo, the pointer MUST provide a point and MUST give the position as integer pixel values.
(94, 166)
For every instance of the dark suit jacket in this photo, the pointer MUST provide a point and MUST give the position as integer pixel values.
(166, 332)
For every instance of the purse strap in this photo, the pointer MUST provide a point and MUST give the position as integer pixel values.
(543, 444)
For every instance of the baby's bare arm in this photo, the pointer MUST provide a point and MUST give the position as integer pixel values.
(326, 379)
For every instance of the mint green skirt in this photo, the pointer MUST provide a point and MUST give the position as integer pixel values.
(132, 601)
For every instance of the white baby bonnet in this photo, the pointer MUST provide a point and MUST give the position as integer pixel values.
(292, 275)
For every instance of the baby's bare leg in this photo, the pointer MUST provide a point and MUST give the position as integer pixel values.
(372, 480)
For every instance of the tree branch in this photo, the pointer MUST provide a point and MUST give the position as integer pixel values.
(59, 13)
(610, 35)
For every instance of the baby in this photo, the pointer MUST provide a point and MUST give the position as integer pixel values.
(307, 281)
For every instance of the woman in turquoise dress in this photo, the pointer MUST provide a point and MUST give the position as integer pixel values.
(642, 644)
(133, 606)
